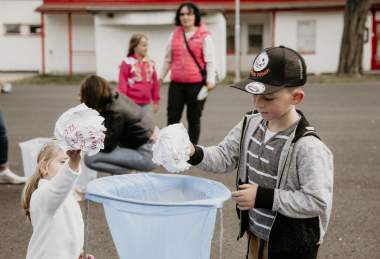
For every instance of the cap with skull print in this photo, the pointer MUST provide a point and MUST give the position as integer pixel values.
(273, 69)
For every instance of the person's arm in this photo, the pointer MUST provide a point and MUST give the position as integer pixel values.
(209, 56)
(58, 188)
(221, 158)
(314, 165)
(167, 59)
(155, 90)
(114, 127)
(123, 78)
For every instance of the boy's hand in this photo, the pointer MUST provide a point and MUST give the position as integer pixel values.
(74, 159)
(246, 196)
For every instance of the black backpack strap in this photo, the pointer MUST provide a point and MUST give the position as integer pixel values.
(242, 215)
(304, 129)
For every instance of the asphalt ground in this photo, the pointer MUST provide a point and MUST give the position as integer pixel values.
(346, 116)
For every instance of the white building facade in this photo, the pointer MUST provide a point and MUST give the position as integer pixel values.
(83, 36)
(20, 29)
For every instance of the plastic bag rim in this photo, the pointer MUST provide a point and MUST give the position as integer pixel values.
(211, 202)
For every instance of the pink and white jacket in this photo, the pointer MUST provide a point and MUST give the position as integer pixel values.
(183, 67)
(138, 80)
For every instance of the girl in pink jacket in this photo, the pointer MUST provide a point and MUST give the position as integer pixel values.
(137, 77)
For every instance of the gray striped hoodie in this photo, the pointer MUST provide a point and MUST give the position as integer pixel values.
(306, 187)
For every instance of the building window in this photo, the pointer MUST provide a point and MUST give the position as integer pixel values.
(35, 29)
(255, 38)
(230, 39)
(306, 36)
(12, 29)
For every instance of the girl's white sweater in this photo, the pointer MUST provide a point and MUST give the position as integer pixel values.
(57, 221)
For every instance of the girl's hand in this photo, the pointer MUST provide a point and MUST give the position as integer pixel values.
(192, 149)
(161, 80)
(74, 159)
(246, 196)
(155, 134)
(155, 107)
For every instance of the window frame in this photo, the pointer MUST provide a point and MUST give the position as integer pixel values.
(249, 49)
(313, 36)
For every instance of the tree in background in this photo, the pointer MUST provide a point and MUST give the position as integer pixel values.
(351, 51)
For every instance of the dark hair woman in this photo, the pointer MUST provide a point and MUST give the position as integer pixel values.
(130, 133)
(190, 59)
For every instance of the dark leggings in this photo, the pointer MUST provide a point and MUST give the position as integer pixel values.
(181, 94)
(3, 142)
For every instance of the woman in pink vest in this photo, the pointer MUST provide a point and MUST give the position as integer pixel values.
(189, 57)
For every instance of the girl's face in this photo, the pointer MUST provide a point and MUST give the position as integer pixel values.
(187, 17)
(141, 50)
(55, 164)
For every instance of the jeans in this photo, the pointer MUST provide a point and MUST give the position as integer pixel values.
(122, 160)
(144, 108)
(3, 142)
(179, 95)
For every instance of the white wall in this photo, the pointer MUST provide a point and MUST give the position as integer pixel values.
(329, 29)
(84, 56)
(367, 48)
(245, 20)
(19, 52)
(57, 44)
(112, 36)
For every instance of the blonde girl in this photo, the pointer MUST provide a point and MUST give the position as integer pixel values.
(51, 207)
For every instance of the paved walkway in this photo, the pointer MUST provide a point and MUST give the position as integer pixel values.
(346, 116)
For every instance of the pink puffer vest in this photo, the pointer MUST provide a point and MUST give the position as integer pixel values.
(183, 67)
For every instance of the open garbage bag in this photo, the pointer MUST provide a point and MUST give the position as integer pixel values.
(158, 215)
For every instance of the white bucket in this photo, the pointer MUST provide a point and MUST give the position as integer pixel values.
(29, 153)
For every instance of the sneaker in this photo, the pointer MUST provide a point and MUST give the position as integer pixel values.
(6, 88)
(7, 176)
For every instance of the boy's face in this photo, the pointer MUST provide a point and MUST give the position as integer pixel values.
(276, 105)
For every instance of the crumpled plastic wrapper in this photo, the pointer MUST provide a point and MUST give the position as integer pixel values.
(172, 148)
(80, 128)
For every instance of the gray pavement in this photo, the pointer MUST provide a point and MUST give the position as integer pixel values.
(346, 116)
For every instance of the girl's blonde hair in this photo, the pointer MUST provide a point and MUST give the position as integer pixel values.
(134, 41)
(47, 153)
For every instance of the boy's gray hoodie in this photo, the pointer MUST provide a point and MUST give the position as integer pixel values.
(306, 186)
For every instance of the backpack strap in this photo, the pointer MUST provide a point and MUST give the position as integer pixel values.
(304, 129)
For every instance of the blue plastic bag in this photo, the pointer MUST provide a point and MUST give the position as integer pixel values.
(160, 216)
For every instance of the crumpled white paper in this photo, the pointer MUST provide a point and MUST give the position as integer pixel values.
(80, 128)
(172, 148)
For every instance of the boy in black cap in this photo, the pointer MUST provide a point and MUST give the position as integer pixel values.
(285, 172)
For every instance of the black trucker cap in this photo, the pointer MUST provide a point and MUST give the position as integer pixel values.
(273, 69)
